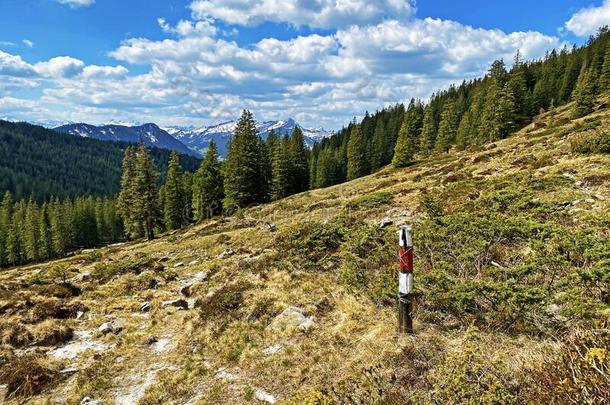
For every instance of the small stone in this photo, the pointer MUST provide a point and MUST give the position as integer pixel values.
(79, 315)
(119, 359)
(276, 348)
(179, 264)
(185, 290)
(226, 253)
(264, 396)
(69, 370)
(307, 324)
(89, 401)
(145, 306)
(83, 277)
(385, 223)
(151, 339)
(194, 262)
(178, 303)
(105, 328)
(292, 317)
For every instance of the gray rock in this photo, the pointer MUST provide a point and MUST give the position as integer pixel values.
(69, 370)
(145, 306)
(276, 348)
(264, 396)
(179, 264)
(79, 315)
(105, 328)
(89, 401)
(384, 223)
(226, 253)
(178, 303)
(193, 262)
(293, 317)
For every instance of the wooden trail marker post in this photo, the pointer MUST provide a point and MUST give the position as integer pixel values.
(405, 279)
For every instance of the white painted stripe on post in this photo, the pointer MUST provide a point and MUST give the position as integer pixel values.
(405, 283)
(408, 232)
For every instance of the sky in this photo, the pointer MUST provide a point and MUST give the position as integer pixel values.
(321, 62)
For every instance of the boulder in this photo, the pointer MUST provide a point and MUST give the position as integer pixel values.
(179, 264)
(264, 396)
(89, 401)
(226, 253)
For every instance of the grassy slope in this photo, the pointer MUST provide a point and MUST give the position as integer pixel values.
(340, 269)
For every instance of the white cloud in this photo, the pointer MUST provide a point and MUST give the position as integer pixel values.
(76, 3)
(317, 14)
(28, 43)
(103, 72)
(60, 67)
(12, 65)
(588, 20)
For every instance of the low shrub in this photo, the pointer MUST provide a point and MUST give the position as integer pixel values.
(310, 243)
(28, 375)
(14, 333)
(588, 144)
(106, 271)
(372, 200)
(51, 332)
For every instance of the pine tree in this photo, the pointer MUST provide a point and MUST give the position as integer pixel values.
(245, 178)
(447, 128)
(313, 166)
(14, 243)
(173, 195)
(584, 94)
(31, 231)
(428, 132)
(505, 113)
(357, 162)
(282, 170)
(379, 145)
(208, 187)
(604, 77)
(406, 144)
(146, 206)
(44, 233)
(299, 162)
(127, 196)
(6, 219)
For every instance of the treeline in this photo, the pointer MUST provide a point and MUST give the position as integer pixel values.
(40, 163)
(473, 113)
(254, 172)
(31, 232)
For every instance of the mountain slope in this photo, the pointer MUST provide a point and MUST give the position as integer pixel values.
(40, 163)
(150, 134)
(511, 244)
(199, 138)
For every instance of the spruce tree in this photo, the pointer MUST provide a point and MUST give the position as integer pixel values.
(282, 170)
(31, 232)
(604, 77)
(428, 132)
(146, 207)
(245, 177)
(357, 162)
(208, 187)
(127, 196)
(584, 94)
(173, 195)
(6, 218)
(299, 162)
(408, 135)
(44, 233)
(505, 113)
(447, 128)
(379, 145)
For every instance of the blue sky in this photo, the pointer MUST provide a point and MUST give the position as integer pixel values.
(197, 62)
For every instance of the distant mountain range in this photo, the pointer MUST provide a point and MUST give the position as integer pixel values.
(198, 139)
(150, 134)
(187, 140)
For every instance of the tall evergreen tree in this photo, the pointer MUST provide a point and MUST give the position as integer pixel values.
(245, 176)
(410, 130)
(447, 128)
(173, 195)
(604, 77)
(584, 94)
(146, 208)
(208, 187)
(357, 162)
(31, 232)
(282, 170)
(44, 233)
(379, 145)
(6, 219)
(299, 162)
(126, 201)
(428, 132)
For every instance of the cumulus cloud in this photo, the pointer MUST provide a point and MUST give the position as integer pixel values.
(28, 43)
(13, 65)
(588, 20)
(103, 72)
(317, 14)
(76, 3)
(60, 67)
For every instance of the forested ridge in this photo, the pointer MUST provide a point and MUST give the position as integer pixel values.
(40, 163)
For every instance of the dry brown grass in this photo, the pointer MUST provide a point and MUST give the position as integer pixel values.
(51, 332)
(28, 375)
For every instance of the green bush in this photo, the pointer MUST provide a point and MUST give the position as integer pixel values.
(106, 271)
(588, 144)
(310, 243)
(372, 200)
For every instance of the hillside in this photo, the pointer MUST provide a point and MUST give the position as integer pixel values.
(511, 273)
(40, 163)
